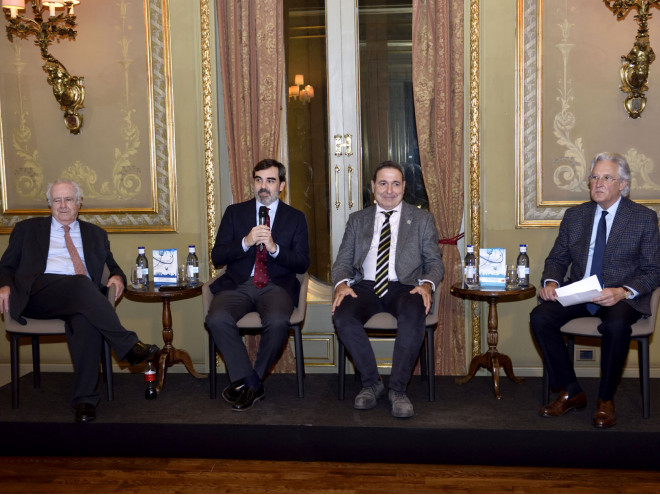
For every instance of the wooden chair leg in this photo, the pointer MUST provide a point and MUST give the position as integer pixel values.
(107, 370)
(423, 358)
(14, 370)
(36, 361)
(300, 360)
(212, 368)
(430, 350)
(643, 357)
(546, 386)
(341, 369)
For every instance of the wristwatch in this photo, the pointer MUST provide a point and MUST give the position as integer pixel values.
(629, 293)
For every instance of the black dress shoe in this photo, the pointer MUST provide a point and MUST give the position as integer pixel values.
(247, 398)
(232, 392)
(85, 412)
(140, 352)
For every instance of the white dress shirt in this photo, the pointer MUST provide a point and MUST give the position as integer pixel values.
(369, 265)
(272, 210)
(59, 261)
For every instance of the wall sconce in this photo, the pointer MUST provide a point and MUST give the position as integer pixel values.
(69, 90)
(634, 70)
(299, 90)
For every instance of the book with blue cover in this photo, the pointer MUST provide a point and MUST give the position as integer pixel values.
(492, 267)
(165, 267)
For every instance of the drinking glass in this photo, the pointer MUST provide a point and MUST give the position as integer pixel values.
(182, 275)
(511, 277)
(136, 282)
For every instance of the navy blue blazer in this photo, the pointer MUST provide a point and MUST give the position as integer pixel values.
(290, 233)
(27, 255)
(632, 254)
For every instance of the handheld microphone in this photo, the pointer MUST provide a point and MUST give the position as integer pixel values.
(263, 213)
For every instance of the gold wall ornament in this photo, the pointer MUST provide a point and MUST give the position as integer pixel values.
(69, 90)
(635, 65)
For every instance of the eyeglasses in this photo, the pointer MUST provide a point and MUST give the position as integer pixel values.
(608, 179)
(59, 201)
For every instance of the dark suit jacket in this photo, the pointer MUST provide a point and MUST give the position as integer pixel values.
(27, 254)
(418, 254)
(289, 232)
(632, 254)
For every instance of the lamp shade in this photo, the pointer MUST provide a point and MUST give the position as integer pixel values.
(18, 4)
(299, 80)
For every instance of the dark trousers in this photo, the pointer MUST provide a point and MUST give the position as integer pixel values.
(548, 317)
(274, 306)
(351, 315)
(88, 319)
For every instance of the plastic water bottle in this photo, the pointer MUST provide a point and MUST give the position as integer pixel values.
(523, 266)
(150, 391)
(142, 266)
(471, 270)
(192, 266)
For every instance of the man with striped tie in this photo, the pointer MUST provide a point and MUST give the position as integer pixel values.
(389, 260)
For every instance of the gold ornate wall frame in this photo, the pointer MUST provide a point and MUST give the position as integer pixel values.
(124, 157)
(568, 109)
(475, 164)
(207, 93)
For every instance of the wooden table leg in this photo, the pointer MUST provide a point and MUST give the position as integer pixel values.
(491, 360)
(168, 355)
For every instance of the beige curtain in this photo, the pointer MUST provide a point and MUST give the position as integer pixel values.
(251, 34)
(438, 95)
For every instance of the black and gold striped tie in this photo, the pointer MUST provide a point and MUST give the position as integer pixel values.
(383, 258)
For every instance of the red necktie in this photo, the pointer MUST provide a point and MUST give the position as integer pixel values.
(78, 264)
(260, 272)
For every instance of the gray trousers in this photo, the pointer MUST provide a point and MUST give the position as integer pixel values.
(351, 315)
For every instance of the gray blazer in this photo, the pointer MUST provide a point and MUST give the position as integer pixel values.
(418, 254)
(632, 254)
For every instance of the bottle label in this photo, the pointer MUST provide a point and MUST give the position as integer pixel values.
(145, 271)
(521, 271)
(150, 376)
(139, 272)
(469, 271)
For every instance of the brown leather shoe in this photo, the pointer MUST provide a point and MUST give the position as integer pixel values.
(563, 404)
(605, 415)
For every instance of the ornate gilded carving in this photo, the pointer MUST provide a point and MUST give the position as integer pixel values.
(209, 168)
(475, 174)
(635, 65)
(69, 90)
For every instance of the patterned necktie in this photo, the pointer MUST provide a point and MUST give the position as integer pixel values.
(383, 258)
(78, 264)
(597, 258)
(260, 272)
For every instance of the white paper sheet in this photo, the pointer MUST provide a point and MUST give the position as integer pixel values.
(579, 292)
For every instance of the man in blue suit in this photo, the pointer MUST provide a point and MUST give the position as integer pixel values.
(389, 260)
(628, 267)
(263, 242)
(52, 268)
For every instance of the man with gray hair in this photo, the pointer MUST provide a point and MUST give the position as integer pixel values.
(52, 268)
(618, 241)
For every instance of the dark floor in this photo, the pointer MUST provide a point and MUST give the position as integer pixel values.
(466, 424)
